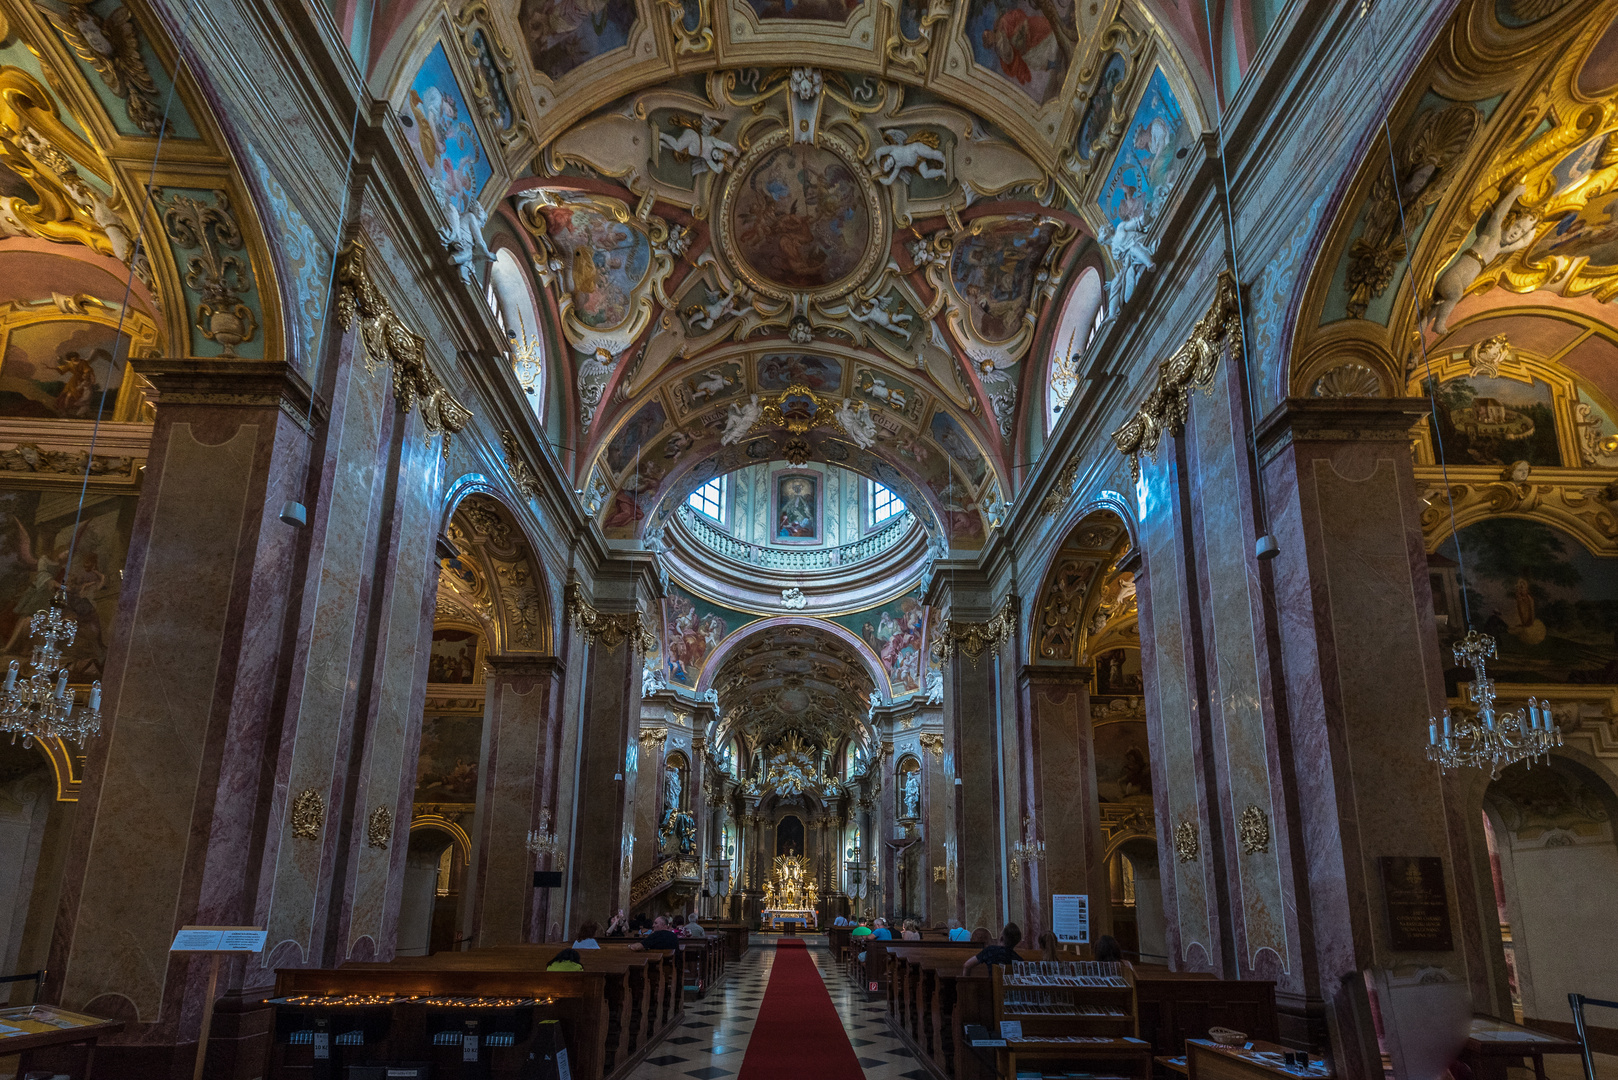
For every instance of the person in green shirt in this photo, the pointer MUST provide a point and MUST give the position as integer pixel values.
(862, 930)
(566, 960)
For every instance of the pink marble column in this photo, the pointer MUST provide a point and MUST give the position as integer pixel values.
(517, 774)
(1063, 795)
(1357, 638)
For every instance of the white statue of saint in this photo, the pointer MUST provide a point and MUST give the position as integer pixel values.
(858, 422)
(912, 794)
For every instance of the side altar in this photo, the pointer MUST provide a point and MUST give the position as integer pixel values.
(790, 895)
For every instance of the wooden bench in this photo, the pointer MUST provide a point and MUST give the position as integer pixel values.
(925, 1006)
(1179, 1005)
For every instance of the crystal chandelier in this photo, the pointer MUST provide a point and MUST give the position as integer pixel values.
(41, 706)
(1490, 739)
(1027, 850)
(544, 841)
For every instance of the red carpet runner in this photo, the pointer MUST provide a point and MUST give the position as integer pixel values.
(798, 1034)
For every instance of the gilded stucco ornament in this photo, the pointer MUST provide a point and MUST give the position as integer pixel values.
(1253, 830)
(1192, 365)
(221, 278)
(692, 37)
(1348, 380)
(611, 630)
(912, 53)
(973, 639)
(308, 815)
(517, 467)
(1426, 157)
(491, 70)
(379, 827)
(111, 46)
(1186, 844)
(387, 340)
(933, 743)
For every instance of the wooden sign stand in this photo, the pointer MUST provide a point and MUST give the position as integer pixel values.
(217, 941)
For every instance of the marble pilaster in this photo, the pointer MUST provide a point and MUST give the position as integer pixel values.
(1358, 645)
(1063, 794)
(185, 764)
(517, 773)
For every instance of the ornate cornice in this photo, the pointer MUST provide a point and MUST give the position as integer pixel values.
(612, 630)
(1191, 365)
(974, 639)
(387, 339)
(933, 742)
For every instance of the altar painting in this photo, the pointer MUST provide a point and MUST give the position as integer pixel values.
(454, 656)
(1123, 761)
(36, 530)
(1550, 605)
(447, 769)
(797, 509)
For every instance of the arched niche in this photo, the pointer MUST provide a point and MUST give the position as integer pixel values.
(511, 294)
(908, 794)
(1081, 316)
(488, 575)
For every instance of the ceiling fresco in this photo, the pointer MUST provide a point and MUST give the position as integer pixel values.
(801, 678)
(745, 258)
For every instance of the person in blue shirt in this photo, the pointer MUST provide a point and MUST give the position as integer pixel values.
(957, 932)
(882, 933)
(841, 920)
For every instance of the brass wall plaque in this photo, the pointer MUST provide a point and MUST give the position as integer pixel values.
(1417, 903)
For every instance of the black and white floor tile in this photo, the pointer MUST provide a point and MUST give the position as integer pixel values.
(712, 1041)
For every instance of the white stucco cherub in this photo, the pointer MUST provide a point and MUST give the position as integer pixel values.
(900, 156)
(698, 144)
(1501, 233)
(739, 420)
(858, 422)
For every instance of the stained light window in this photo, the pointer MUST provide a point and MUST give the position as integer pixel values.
(882, 504)
(709, 499)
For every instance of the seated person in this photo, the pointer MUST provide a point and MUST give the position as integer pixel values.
(661, 937)
(586, 938)
(1003, 953)
(619, 926)
(1107, 949)
(566, 960)
(980, 936)
(882, 933)
(862, 930)
(694, 930)
(957, 932)
(910, 931)
(841, 920)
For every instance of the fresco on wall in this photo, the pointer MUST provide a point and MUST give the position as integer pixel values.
(447, 770)
(454, 656)
(635, 435)
(958, 445)
(1551, 606)
(778, 371)
(606, 260)
(993, 269)
(1150, 156)
(36, 529)
(894, 632)
(1533, 800)
(1587, 233)
(1123, 762)
(61, 369)
(1027, 41)
(438, 126)
(1098, 111)
(692, 630)
(816, 10)
(717, 383)
(796, 509)
(1483, 421)
(562, 34)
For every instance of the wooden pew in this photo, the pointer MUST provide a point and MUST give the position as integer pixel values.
(577, 998)
(738, 939)
(837, 937)
(924, 1008)
(1176, 1006)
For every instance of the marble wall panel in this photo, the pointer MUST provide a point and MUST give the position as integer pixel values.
(1068, 805)
(160, 697)
(972, 703)
(1172, 718)
(1242, 708)
(602, 825)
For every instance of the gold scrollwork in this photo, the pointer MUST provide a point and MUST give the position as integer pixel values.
(689, 40)
(1186, 844)
(649, 736)
(1253, 830)
(387, 340)
(611, 630)
(379, 827)
(111, 46)
(1127, 43)
(1191, 365)
(517, 467)
(912, 52)
(221, 278)
(308, 815)
(933, 743)
(974, 639)
(490, 72)
(941, 873)
(1583, 502)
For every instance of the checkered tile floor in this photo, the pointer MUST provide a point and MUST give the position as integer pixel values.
(713, 1040)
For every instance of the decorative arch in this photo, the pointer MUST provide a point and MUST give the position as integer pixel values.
(1082, 313)
(862, 651)
(1081, 572)
(488, 573)
(511, 294)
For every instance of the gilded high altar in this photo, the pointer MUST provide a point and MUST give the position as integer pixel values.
(790, 893)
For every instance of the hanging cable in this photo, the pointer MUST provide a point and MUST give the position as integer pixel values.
(1265, 547)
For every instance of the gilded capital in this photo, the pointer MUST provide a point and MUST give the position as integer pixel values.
(611, 629)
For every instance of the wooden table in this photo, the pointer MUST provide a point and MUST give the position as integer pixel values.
(35, 1027)
(1137, 1051)
(1495, 1043)
(1207, 1060)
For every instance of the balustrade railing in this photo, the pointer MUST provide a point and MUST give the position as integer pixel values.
(778, 558)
